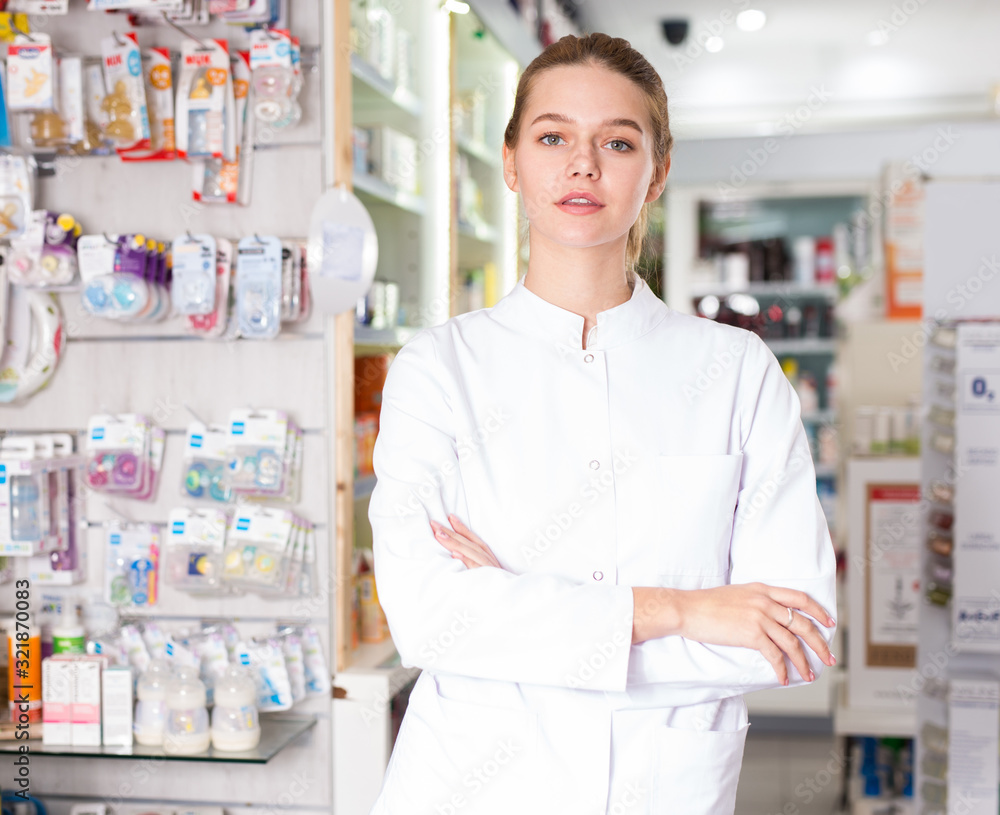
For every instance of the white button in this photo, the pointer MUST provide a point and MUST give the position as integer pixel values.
(598, 575)
(588, 358)
(595, 464)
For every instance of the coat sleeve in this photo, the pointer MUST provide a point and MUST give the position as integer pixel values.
(485, 622)
(780, 537)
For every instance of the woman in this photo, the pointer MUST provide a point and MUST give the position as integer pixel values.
(595, 523)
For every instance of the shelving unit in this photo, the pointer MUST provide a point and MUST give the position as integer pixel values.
(157, 369)
(276, 734)
(484, 210)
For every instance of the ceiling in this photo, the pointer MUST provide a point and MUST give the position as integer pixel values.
(812, 67)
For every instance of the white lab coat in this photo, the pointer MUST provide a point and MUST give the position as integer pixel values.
(670, 452)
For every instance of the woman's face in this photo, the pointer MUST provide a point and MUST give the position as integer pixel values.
(585, 134)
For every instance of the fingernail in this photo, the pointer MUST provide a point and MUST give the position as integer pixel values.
(833, 659)
(435, 524)
(812, 676)
(785, 681)
(830, 622)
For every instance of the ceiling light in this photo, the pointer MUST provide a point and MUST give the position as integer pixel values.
(714, 44)
(456, 6)
(751, 20)
(877, 38)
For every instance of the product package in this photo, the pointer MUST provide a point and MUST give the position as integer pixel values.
(124, 454)
(215, 322)
(133, 552)
(206, 458)
(258, 549)
(258, 287)
(205, 107)
(262, 453)
(125, 103)
(194, 551)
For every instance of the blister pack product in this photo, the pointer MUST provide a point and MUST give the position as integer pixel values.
(259, 452)
(30, 84)
(118, 451)
(134, 646)
(155, 639)
(133, 552)
(257, 544)
(195, 543)
(125, 103)
(291, 648)
(267, 663)
(206, 459)
(317, 672)
(192, 286)
(258, 287)
(45, 254)
(205, 107)
(273, 80)
(16, 193)
(214, 323)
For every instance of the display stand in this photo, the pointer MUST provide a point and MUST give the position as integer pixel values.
(162, 371)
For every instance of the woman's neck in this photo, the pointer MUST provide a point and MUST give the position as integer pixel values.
(584, 281)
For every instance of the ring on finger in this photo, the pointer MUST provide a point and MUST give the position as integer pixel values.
(790, 618)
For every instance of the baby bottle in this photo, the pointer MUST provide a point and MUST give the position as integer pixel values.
(235, 725)
(186, 729)
(151, 704)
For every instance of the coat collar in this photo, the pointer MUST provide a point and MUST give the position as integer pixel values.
(524, 311)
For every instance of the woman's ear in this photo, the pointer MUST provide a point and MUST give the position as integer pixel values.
(509, 171)
(659, 182)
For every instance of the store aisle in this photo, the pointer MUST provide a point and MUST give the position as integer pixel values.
(790, 774)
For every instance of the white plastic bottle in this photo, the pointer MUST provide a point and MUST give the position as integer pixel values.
(151, 704)
(68, 636)
(186, 730)
(235, 723)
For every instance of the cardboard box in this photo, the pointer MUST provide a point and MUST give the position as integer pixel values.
(58, 680)
(86, 727)
(116, 706)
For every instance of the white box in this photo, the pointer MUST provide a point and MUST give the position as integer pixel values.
(975, 604)
(86, 729)
(973, 723)
(883, 581)
(116, 706)
(58, 678)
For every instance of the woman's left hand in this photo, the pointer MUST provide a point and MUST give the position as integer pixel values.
(464, 544)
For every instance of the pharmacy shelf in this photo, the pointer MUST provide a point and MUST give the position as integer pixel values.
(478, 151)
(777, 289)
(369, 78)
(374, 672)
(820, 417)
(871, 721)
(806, 345)
(379, 191)
(395, 337)
(276, 733)
(484, 233)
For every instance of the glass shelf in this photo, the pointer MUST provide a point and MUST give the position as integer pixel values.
(276, 734)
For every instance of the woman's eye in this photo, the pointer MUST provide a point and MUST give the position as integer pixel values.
(622, 146)
(550, 136)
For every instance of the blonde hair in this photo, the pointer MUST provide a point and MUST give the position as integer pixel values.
(619, 56)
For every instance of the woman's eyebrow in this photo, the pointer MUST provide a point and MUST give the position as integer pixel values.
(563, 119)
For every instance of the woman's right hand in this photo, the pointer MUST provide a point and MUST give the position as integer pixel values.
(748, 615)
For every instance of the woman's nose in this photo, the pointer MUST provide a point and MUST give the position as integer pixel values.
(584, 162)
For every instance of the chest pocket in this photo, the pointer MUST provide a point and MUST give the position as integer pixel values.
(696, 504)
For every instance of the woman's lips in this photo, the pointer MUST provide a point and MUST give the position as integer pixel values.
(577, 208)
